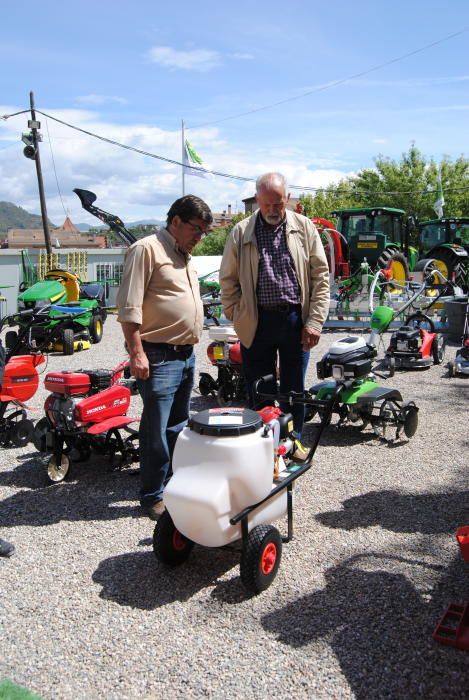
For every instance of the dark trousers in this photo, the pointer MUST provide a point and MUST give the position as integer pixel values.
(278, 334)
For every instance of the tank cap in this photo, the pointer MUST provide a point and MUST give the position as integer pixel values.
(225, 422)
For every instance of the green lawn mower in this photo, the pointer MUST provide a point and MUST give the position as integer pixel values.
(349, 362)
(74, 314)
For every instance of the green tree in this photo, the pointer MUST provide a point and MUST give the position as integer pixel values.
(214, 243)
(386, 185)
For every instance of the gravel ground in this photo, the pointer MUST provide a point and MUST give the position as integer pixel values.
(88, 612)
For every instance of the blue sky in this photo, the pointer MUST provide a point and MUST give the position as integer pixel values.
(131, 71)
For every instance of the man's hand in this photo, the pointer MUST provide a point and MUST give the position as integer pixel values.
(139, 366)
(309, 338)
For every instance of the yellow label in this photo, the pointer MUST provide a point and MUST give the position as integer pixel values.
(367, 245)
(290, 426)
(218, 353)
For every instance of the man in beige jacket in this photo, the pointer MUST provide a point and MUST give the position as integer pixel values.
(274, 282)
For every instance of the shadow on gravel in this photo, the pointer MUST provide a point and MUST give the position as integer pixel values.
(380, 626)
(347, 436)
(138, 580)
(91, 497)
(428, 513)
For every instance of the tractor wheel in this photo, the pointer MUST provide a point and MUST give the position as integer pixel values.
(448, 264)
(68, 341)
(260, 558)
(21, 432)
(420, 321)
(438, 349)
(400, 272)
(58, 472)
(96, 328)
(386, 256)
(169, 545)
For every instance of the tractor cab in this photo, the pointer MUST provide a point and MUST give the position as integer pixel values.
(374, 233)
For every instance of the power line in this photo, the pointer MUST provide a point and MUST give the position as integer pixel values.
(304, 188)
(55, 171)
(334, 83)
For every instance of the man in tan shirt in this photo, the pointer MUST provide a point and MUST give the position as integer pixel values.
(161, 313)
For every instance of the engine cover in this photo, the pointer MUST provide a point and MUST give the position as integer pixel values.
(352, 353)
(68, 383)
(106, 404)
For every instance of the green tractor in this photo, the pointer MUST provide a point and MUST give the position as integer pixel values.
(381, 236)
(446, 242)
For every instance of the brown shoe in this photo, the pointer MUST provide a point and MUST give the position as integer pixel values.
(154, 510)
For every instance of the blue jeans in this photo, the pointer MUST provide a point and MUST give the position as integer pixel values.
(166, 399)
(277, 332)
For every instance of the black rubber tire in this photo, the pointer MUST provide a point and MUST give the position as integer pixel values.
(438, 349)
(411, 420)
(21, 432)
(260, 558)
(206, 384)
(11, 338)
(416, 320)
(386, 256)
(451, 369)
(96, 328)
(39, 434)
(68, 341)
(391, 363)
(452, 262)
(169, 546)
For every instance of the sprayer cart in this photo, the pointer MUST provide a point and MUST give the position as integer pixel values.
(233, 474)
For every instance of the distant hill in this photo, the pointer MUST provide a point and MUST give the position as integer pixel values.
(131, 224)
(12, 216)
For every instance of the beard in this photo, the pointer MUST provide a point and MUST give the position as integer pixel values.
(273, 219)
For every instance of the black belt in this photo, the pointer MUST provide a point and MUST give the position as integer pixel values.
(168, 346)
(283, 308)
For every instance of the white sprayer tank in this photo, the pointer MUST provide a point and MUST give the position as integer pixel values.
(223, 462)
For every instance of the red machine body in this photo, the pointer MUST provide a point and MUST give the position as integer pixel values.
(342, 267)
(20, 379)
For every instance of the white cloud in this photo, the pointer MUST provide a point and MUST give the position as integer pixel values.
(379, 140)
(100, 99)
(134, 186)
(242, 56)
(195, 59)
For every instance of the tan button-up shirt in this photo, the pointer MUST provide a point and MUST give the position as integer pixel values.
(160, 292)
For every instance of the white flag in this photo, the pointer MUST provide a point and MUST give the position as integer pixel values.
(193, 162)
(438, 205)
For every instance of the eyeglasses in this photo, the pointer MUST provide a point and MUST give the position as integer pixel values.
(197, 230)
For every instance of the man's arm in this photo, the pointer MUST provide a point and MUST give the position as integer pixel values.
(320, 292)
(139, 367)
(229, 277)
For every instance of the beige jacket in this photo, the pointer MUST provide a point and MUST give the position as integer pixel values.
(239, 272)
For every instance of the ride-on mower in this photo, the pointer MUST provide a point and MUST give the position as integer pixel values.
(62, 294)
(85, 411)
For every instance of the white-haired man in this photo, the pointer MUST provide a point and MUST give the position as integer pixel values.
(274, 282)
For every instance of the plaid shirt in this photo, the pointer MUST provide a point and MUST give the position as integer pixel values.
(277, 282)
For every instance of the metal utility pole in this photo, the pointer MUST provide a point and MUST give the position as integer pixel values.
(34, 126)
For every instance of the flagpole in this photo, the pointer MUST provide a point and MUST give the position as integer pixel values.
(182, 155)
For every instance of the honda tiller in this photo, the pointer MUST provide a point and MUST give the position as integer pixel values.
(86, 411)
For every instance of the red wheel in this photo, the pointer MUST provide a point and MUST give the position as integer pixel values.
(261, 558)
